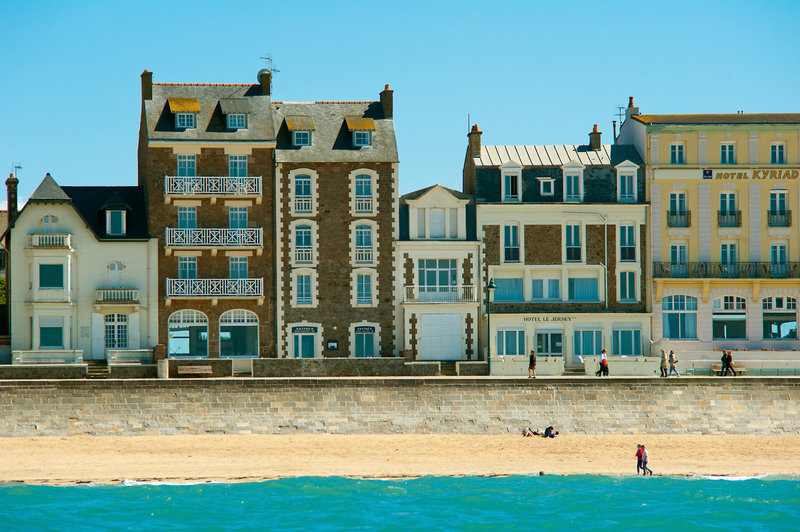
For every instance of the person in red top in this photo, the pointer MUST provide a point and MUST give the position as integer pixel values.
(638, 457)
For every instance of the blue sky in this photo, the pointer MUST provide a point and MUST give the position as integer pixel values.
(526, 72)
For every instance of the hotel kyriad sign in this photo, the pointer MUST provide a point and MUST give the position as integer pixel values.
(754, 173)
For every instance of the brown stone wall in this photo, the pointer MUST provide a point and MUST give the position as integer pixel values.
(491, 244)
(467, 267)
(159, 162)
(412, 332)
(470, 330)
(543, 244)
(334, 311)
(595, 244)
(408, 268)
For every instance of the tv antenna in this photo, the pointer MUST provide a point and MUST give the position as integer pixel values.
(621, 113)
(268, 59)
(17, 168)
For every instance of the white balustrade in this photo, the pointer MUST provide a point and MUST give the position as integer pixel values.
(48, 240)
(364, 255)
(212, 186)
(303, 255)
(214, 237)
(115, 295)
(440, 294)
(215, 287)
(363, 204)
(302, 204)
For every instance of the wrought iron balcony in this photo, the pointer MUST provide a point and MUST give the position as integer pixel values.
(720, 270)
(116, 295)
(779, 218)
(207, 186)
(729, 218)
(215, 287)
(440, 294)
(50, 240)
(679, 218)
(250, 237)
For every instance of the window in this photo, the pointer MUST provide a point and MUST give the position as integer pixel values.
(511, 243)
(115, 223)
(627, 187)
(508, 290)
(572, 188)
(587, 343)
(780, 318)
(510, 342)
(363, 194)
(511, 189)
(51, 276)
(582, 289)
(301, 138)
(237, 165)
(729, 260)
(236, 120)
(437, 280)
(116, 328)
(302, 244)
(238, 334)
(727, 153)
(627, 286)
(304, 341)
(237, 267)
(364, 254)
(49, 223)
(777, 201)
(679, 317)
(115, 274)
(627, 243)
(677, 216)
(546, 187)
(185, 120)
(626, 342)
(728, 215)
(302, 194)
(303, 288)
(51, 333)
(727, 202)
(362, 138)
(676, 155)
(776, 153)
(729, 318)
(364, 338)
(364, 289)
(187, 267)
(779, 268)
(550, 343)
(679, 267)
(453, 223)
(421, 223)
(546, 289)
(436, 222)
(573, 240)
(237, 217)
(187, 166)
(188, 334)
(187, 217)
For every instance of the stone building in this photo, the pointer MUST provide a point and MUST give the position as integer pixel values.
(564, 236)
(438, 265)
(724, 241)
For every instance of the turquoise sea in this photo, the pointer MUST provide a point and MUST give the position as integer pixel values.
(568, 503)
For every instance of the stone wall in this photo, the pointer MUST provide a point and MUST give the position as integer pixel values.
(341, 367)
(393, 405)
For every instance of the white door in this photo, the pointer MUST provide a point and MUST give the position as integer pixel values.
(440, 337)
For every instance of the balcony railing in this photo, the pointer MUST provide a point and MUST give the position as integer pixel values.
(729, 218)
(48, 240)
(212, 186)
(364, 255)
(779, 218)
(303, 255)
(679, 218)
(363, 204)
(214, 237)
(440, 294)
(116, 295)
(302, 204)
(720, 270)
(215, 287)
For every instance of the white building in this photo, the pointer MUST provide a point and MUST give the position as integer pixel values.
(84, 276)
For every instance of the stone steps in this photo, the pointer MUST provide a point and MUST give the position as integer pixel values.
(97, 369)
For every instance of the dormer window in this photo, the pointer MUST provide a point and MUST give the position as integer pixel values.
(573, 182)
(301, 138)
(362, 138)
(236, 121)
(185, 111)
(185, 120)
(546, 187)
(115, 222)
(362, 129)
(627, 182)
(511, 187)
(301, 127)
(235, 111)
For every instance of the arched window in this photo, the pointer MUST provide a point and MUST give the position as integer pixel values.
(729, 318)
(188, 334)
(363, 194)
(364, 253)
(780, 318)
(680, 317)
(238, 334)
(303, 200)
(303, 250)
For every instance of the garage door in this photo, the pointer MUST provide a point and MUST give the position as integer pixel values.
(440, 337)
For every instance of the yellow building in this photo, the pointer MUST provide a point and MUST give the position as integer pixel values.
(725, 245)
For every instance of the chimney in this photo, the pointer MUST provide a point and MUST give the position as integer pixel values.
(631, 110)
(614, 123)
(147, 85)
(594, 139)
(265, 79)
(474, 146)
(11, 188)
(387, 101)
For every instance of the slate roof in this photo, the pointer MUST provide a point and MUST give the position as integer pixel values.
(751, 118)
(48, 190)
(557, 155)
(211, 123)
(331, 140)
(91, 203)
(417, 193)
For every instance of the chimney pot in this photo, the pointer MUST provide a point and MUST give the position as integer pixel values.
(594, 139)
(630, 101)
(11, 192)
(387, 101)
(265, 79)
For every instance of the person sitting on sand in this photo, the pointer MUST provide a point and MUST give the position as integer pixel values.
(527, 432)
(548, 432)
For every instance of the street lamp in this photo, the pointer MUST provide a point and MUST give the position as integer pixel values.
(491, 286)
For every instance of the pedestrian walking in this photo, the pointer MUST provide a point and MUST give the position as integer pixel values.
(673, 360)
(532, 365)
(729, 366)
(602, 371)
(638, 457)
(645, 459)
(663, 363)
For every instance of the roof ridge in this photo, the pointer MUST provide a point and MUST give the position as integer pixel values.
(209, 84)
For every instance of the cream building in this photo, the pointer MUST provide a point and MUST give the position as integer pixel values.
(84, 276)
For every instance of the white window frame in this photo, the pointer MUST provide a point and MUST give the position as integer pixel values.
(506, 245)
(777, 153)
(296, 274)
(50, 322)
(627, 298)
(616, 340)
(109, 222)
(116, 274)
(187, 266)
(296, 204)
(627, 169)
(237, 165)
(187, 217)
(566, 231)
(727, 152)
(358, 254)
(187, 166)
(290, 338)
(362, 139)
(671, 300)
(357, 202)
(626, 228)
(293, 228)
(568, 177)
(677, 153)
(357, 302)
(236, 120)
(301, 137)
(49, 222)
(519, 333)
(237, 266)
(375, 339)
(117, 324)
(546, 186)
(510, 179)
(185, 120)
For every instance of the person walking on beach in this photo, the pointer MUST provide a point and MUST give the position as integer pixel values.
(663, 363)
(603, 369)
(645, 459)
(638, 457)
(673, 360)
(532, 365)
(730, 364)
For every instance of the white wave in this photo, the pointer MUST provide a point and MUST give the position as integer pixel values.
(128, 482)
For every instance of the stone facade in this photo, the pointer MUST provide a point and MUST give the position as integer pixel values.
(542, 244)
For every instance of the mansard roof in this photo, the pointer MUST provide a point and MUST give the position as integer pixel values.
(556, 155)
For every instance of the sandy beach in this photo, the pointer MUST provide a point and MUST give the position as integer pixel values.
(183, 458)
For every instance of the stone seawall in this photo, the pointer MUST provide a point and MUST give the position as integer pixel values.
(764, 405)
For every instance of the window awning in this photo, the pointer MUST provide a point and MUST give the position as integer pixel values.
(232, 106)
(300, 123)
(184, 105)
(359, 123)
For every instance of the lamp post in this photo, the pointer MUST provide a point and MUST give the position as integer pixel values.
(491, 286)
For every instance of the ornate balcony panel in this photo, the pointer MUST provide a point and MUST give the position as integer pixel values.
(206, 186)
(215, 287)
(729, 218)
(679, 218)
(214, 238)
(779, 218)
(719, 270)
